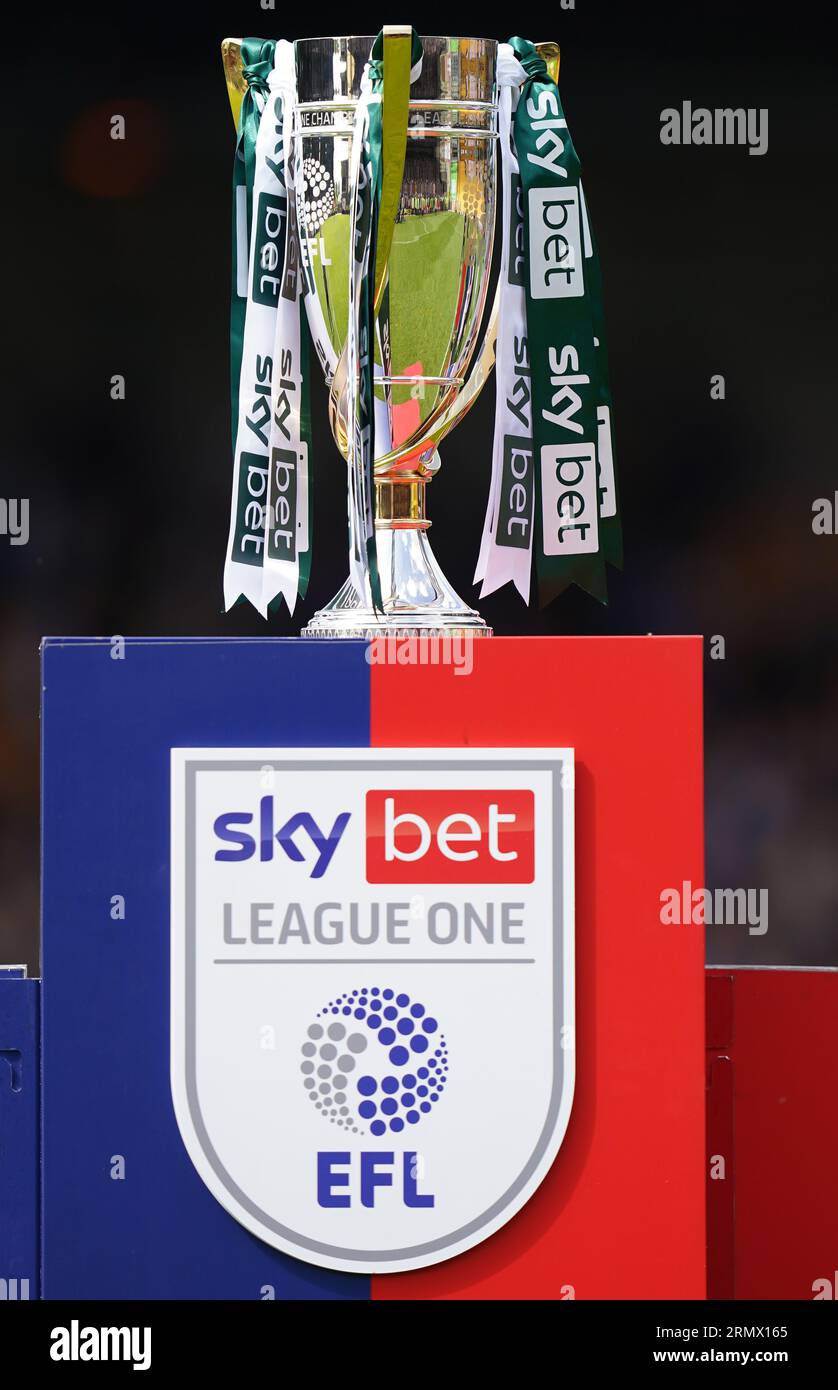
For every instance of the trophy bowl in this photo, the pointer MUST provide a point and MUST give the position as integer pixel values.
(429, 314)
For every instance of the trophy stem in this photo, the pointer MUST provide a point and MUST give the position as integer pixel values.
(417, 598)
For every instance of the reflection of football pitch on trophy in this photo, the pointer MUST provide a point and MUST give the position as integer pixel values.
(424, 267)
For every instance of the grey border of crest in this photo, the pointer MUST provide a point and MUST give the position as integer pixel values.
(313, 1248)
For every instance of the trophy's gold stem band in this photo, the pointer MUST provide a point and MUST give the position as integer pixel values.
(401, 506)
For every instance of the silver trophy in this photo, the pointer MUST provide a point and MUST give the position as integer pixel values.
(429, 318)
(431, 360)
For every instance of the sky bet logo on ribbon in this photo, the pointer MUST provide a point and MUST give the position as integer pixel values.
(269, 231)
(555, 244)
(349, 926)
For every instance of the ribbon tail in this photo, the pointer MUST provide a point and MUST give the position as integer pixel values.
(287, 519)
(251, 332)
(506, 544)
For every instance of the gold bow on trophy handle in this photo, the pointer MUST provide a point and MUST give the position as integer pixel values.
(231, 57)
(551, 54)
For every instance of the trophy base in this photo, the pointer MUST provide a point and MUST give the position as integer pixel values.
(418, 601)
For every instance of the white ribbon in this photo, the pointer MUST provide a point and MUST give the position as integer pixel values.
(361, 510)
(246, 539)
(286, 513)
(506, 544)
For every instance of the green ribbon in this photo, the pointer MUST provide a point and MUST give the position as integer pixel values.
(372, 161)
(385, 142)
(610, 527)
(569, 371)
(257, 63)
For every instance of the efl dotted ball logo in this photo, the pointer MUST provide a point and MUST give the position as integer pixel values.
(374, 1061)
(318, 195)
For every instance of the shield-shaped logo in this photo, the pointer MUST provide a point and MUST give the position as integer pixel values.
(372, 991)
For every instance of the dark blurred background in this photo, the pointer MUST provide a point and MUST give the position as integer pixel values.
(715, 262)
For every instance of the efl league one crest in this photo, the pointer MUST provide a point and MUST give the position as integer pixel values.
(372, 991)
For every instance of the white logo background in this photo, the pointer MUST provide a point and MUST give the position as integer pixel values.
(504, 1009)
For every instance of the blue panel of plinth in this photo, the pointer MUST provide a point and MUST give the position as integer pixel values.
(124, 1212)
